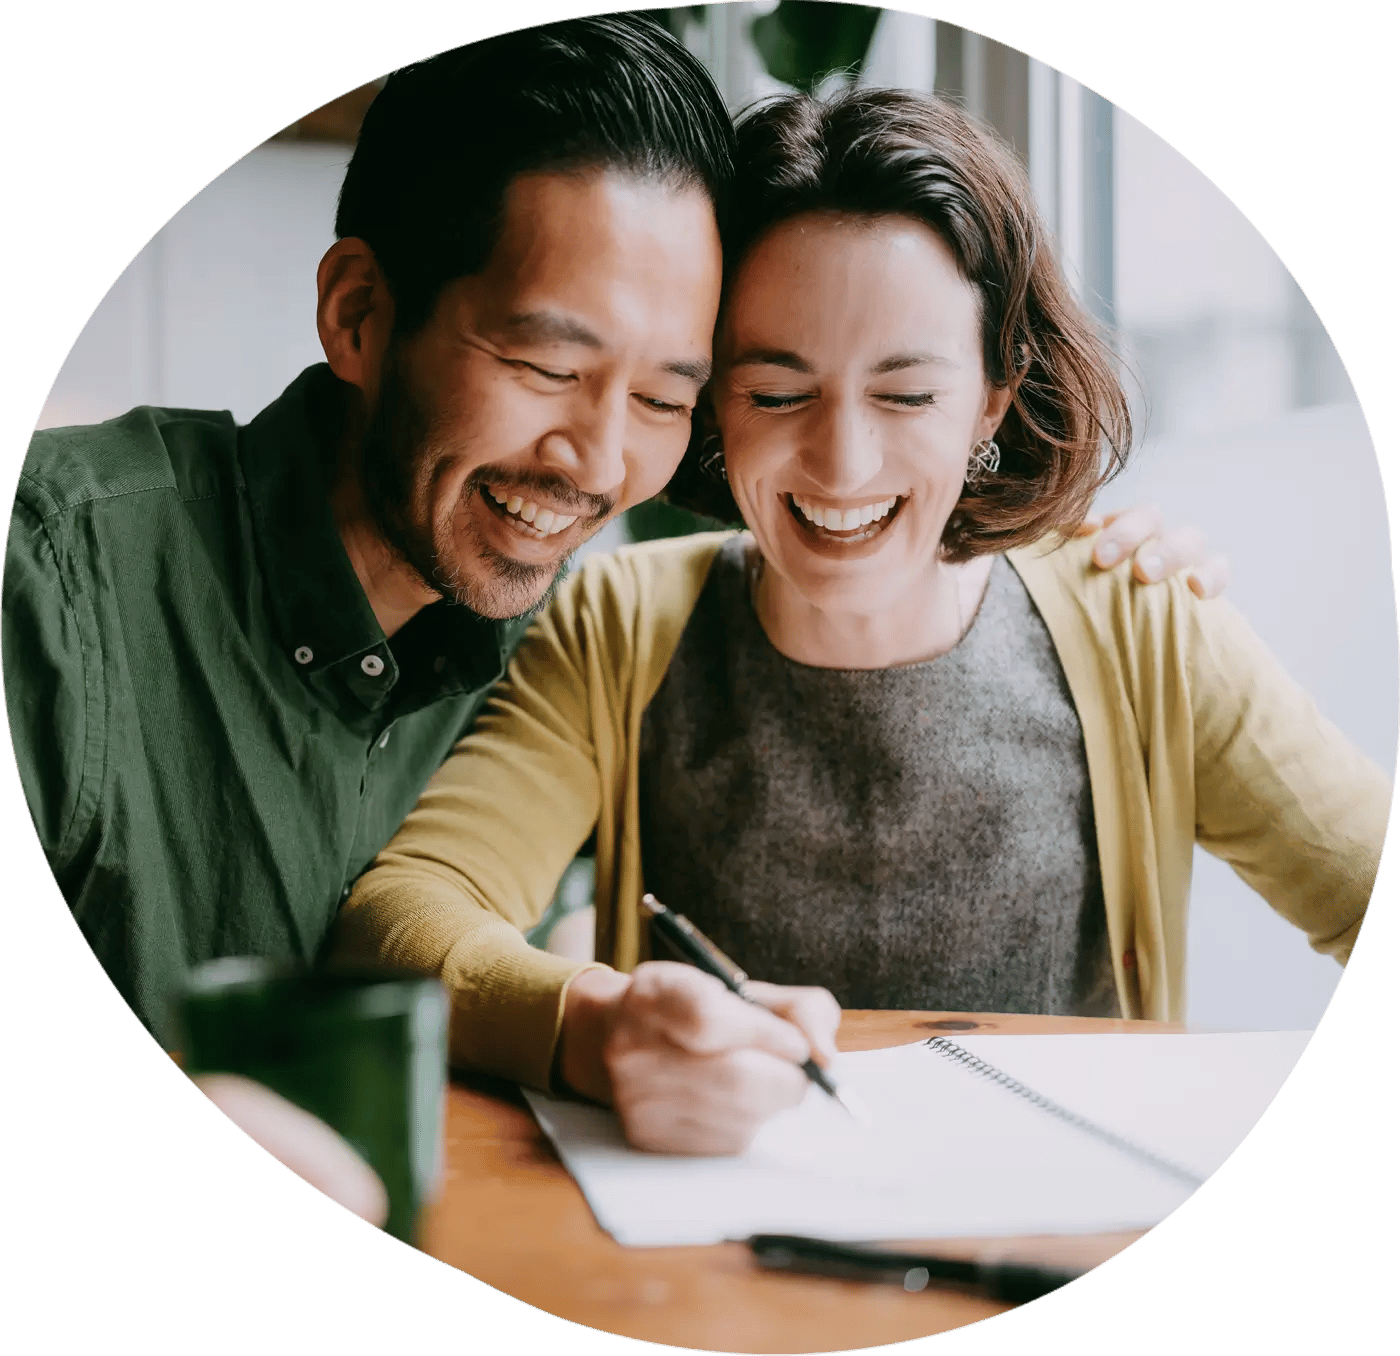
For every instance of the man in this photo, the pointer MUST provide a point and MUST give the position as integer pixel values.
(233, 656)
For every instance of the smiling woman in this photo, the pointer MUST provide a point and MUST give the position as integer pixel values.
(847, 452)
(900, 743)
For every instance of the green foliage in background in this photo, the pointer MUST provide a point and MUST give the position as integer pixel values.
(803, 41)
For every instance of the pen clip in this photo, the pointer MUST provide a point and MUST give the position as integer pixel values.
(692, 945)
(734, 976)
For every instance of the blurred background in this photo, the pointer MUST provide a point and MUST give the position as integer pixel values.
(1248, 424)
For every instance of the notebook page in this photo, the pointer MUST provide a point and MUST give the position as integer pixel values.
(949, 1154)
(1190, 1098)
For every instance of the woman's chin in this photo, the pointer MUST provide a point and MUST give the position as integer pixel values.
(828, 584)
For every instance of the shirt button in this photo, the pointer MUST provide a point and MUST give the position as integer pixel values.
(373, 665)
(303, 654)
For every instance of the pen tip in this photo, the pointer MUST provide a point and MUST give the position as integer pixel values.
(650, 904)
(855, 1106)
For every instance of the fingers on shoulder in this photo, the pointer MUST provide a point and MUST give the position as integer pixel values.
(1126, 530)
(1210, 578)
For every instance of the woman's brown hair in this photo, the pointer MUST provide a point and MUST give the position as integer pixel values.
(877, 152)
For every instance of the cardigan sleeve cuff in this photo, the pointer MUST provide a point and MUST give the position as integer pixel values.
(506, 1016)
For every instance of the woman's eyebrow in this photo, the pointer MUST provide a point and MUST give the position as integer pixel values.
(899, 362)
(772, 357)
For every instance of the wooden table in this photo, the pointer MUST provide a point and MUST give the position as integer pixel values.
(510, 1215)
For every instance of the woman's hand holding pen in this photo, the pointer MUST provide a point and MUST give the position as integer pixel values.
(689, 1066)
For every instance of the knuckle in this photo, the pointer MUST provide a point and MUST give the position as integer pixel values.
(764, 1082)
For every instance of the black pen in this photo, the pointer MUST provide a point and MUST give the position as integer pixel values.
(698, 950)
(1013, 1282)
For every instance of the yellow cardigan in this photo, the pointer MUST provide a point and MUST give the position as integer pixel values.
(1193, 734)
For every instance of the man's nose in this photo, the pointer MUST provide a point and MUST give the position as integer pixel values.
(841, 450)
(587, 448)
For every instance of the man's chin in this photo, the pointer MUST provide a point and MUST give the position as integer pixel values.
(502, 589)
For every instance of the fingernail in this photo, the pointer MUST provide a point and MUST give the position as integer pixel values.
(1196, 584)
(1110, 553)
(1151, 566)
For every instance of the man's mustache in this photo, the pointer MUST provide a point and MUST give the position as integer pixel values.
(527, 484)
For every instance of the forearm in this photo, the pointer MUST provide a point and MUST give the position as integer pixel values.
(507, 997)
(1282, 794)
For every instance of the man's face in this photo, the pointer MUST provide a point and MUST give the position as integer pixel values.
(549, 392)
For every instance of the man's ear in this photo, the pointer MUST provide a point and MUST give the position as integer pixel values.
(354, 313)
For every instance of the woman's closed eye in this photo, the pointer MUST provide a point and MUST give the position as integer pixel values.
(777, 400)
(774, 400)
(906, 399)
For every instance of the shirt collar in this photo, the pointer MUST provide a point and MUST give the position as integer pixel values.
(323, 618)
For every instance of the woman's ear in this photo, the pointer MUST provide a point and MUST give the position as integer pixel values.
(354, 313)
(993, 412)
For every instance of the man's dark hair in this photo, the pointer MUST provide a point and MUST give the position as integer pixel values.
(445, 137)
(878, 153)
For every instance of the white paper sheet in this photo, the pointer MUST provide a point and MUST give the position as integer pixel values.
(949, 1154)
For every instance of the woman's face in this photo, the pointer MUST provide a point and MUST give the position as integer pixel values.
(850, 392)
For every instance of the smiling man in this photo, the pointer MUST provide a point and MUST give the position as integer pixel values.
(233, 656)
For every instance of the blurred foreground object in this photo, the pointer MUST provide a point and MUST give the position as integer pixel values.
(364, 1052)
(301, 1142)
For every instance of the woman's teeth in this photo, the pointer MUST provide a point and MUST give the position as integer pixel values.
(844, 520)
(544, 522)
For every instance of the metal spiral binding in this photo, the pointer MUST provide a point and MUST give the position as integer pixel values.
(952, 1050)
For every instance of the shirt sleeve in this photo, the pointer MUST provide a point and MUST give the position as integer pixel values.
(1281, 793)
(53, 689)
(480, 857)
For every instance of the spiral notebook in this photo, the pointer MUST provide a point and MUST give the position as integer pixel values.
(981, 1136)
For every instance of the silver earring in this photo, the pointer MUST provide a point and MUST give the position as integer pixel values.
(712, 458)
(983, 461)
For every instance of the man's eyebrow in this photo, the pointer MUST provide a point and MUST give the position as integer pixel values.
(900, 362)
(549, 327)
(694, 369)
(772, 357)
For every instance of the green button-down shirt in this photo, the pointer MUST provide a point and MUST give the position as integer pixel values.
(214, 735)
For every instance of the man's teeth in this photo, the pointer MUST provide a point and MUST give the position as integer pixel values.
(545, 521)
(844, 520)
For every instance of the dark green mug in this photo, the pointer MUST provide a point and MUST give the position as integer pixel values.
(365, 1051)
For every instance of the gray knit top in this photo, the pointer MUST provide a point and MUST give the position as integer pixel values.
(915, 837)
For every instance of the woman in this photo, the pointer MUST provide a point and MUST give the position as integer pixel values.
(898, 741)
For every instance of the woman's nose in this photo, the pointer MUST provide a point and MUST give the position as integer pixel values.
(842, 450)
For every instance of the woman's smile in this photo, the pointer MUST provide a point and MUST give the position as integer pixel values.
(823, 522)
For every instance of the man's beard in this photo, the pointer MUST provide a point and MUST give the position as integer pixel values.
(397, 466)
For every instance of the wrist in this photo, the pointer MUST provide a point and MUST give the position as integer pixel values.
(590, 999)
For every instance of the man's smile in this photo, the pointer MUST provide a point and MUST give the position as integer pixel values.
(527, 515)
